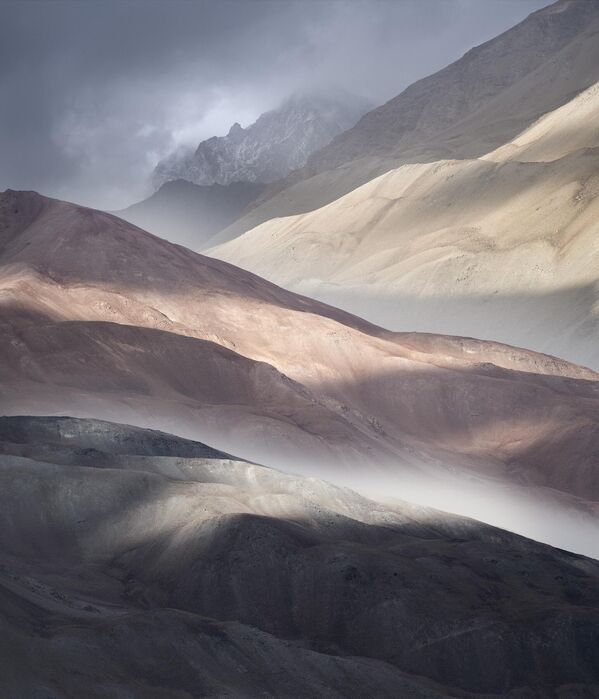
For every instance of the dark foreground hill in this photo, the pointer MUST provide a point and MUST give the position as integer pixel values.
(188, 574)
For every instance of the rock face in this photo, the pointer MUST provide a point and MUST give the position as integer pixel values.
(190, 214)
(469, 108)
(189, 573)
(279, 141)
(101, 319)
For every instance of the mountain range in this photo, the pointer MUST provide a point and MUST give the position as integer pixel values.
(483, 100)
(500, 247)
(350, 448)
(201, 192)
(102, 319)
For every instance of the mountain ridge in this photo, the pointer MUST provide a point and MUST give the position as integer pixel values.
(499, 247)
(146, 574)
(279, 141)
(529, 70)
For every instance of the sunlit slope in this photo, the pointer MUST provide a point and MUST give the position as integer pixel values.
(573, 127)
(502, 247)
(472, 106)
(101, 319)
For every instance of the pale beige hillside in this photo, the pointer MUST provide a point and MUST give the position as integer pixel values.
(574, 126)
(501, 247)
(480, 102)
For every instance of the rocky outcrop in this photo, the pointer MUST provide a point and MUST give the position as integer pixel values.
(277, 143)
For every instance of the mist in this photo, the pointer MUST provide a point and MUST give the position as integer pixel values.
(548, 516)
(94, 94)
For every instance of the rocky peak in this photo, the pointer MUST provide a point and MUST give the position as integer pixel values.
(236, 130)
(278, 142)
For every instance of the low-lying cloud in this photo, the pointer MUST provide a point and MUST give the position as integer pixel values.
(92, 94)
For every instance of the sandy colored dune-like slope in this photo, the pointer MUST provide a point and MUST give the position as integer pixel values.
(465, 110)
(573, 127)
(101, 319)
(502, 247)
(137, 564)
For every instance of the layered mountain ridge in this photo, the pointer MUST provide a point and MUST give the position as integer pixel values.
(501, 247)
(202, 192)
(102, 319)
(476, 84)
(214, 486)
(472, 106)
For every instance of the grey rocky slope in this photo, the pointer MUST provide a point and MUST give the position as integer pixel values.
(190, 214)
(124, 574)
(488, 81)
(470, 107)
(279, 141)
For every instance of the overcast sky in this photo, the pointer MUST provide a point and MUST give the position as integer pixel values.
(94, 92)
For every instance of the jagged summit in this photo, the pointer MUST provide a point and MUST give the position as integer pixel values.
(277, 143)
(236, 130)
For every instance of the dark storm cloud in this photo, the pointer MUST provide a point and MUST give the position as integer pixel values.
(92, 94)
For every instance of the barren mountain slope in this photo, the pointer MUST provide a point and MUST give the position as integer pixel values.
(481, 90)
(470, 107)
(503, 247)
(190, 214)
(102, 319)
(128, 573)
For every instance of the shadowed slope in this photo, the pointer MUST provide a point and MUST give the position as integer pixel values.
(95, 436)
(181, 576)
(191, 214)
(165, 380)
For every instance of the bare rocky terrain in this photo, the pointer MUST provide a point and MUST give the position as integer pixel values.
(101, 319)
(476, 104)
(138, 564)
(279, 141)
(214, 486)
(501, 247)
(201, 191)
